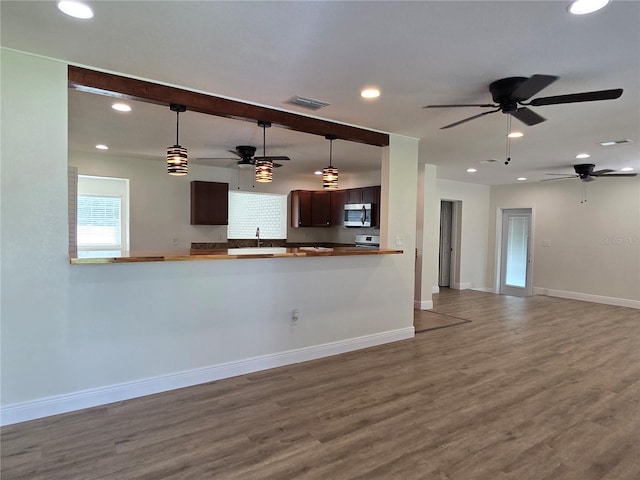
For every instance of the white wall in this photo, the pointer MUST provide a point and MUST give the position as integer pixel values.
(80, 335)
(594, 247)
(428, 214)
(474, 231)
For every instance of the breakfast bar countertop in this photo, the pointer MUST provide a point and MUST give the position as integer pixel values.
(96, 257)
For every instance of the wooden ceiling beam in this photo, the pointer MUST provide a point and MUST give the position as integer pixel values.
(117, 86)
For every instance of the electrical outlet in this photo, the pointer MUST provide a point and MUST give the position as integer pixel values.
(399, 240)
(174, 242)
(295, 315)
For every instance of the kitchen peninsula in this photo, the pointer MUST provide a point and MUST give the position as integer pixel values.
(224, 254)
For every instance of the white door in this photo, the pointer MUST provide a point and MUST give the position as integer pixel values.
(515, 264)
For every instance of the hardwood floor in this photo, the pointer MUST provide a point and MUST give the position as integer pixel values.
(533, 388)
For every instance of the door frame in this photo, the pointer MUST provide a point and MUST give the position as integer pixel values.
(456, 242)
(498, 249)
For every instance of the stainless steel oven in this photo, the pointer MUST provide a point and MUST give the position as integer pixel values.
(368, 241)
(357, 215)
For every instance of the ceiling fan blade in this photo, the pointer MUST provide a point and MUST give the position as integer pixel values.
(528, 116)
(216, 158)
(597, 173)
(559, 178)
(469, 119)
(578, 97)
(618, 175)
(532, 86)
(484, 105)
(276, 158)
(235, 153)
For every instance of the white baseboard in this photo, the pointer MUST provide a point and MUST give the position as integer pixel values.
(620, 302)
(461, 286)
(435, 289)
(423, 305)
(484, 289)
(44, 407)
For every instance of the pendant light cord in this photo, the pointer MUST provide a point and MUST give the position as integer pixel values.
(331, 152)
(177, 127)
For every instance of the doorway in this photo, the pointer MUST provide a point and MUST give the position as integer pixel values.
(515, 248)
(448, 244)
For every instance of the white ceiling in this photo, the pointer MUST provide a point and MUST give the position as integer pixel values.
(417, 53)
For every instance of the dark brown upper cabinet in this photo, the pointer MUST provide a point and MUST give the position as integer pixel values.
(338, 199)
(209, 203)
(325, 208)
(310, 208)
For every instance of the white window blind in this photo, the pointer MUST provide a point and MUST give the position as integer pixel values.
(99, 221)
(249, 211)
(103, 213)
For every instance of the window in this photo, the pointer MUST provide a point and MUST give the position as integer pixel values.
(103, 211)
(249, 211)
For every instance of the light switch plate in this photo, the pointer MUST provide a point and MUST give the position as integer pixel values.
(399, 240)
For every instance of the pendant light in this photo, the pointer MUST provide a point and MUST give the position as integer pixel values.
(177, 161)
(264, 166)
(330, 173)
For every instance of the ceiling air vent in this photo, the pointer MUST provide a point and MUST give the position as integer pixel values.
(609, 143)
(491, 160)
(308, 103)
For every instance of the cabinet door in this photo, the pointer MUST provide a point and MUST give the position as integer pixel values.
(209, 203)
(354, 195)
(300, 208)
(368, 194)
(372, 195)
(320, 209)
(338, 199)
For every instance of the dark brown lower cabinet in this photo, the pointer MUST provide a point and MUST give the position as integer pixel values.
(209, 203)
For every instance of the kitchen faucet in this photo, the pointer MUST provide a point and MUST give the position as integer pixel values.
(258, 235)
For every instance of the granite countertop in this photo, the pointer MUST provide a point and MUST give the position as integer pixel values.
(225, 254)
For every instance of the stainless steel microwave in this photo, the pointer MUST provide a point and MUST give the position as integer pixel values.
(357, 215)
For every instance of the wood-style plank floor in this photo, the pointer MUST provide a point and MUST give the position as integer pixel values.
(533, 388)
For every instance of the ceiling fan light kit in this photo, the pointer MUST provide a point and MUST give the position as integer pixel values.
(330, 173)
(177, 159)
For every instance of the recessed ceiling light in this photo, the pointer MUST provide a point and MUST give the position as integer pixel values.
(102, 147)
(471, 170)
(626, 169)
(370, 93)
(582, 7)
(583, 155)
(515, 135)
(318, 172)
(75, 9)
(522, 179)
(121, 107)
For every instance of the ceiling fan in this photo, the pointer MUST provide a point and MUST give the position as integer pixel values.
(585, 172)
(247, 159)
(509, 95)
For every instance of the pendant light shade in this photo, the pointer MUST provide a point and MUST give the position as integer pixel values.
(330, 173)
(264, 166)
(264, 171)
(177, 159)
